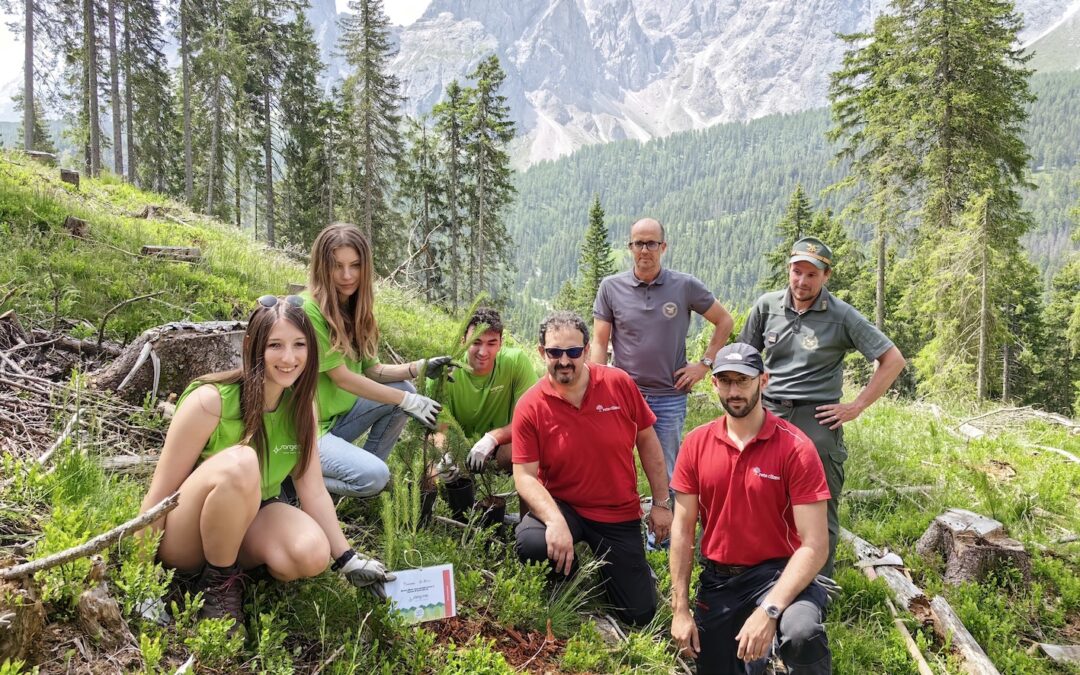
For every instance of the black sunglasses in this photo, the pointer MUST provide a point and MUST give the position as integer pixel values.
(273, 300)
(556, 353)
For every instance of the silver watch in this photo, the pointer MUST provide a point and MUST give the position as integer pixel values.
(771, 611)
(707, 362)
(666, 504)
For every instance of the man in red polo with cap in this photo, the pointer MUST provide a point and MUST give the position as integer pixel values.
(758, 485)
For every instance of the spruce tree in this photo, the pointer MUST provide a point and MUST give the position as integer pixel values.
(794, 225)
(596, 260)
(450, 117)
(42, 140)
(422, 192)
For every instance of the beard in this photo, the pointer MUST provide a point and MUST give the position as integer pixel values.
(746, 405)
(563, 374)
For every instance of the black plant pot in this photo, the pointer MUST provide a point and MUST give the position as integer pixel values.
(460, 496)
(492, 509)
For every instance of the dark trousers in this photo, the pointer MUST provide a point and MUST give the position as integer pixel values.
(725, 602)
(833, 453)
(626, 576)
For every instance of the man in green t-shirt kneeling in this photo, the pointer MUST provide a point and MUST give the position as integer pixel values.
(481, 397)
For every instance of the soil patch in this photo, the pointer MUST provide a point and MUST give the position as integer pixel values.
(528, 649)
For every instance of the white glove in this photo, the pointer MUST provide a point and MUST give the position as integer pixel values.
(423, 409)
(480, 452)
(366, 573)
(447, 469)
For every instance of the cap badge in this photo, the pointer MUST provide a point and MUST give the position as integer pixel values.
(811, 248)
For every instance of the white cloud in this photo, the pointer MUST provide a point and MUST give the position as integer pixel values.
(401, 12)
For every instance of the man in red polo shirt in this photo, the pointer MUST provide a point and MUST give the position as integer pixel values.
(574, 434)
(759, 486)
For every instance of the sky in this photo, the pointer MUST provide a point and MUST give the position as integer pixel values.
(403, 12)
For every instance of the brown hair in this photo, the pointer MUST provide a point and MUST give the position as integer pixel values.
(353, 330)
(251, 373)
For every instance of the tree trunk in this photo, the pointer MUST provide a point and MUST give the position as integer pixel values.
(984, 307)
(114, 83)
(128, 104)
(215, 131)
(28, 78)
(90, 44)
(268, 152)
(185, 67)
(237, 155)
(879, 294)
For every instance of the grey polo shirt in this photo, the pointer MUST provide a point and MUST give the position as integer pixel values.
(649, 323)
(804, 354)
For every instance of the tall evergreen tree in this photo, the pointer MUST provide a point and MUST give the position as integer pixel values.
(149, 97)
(596, 260)
(794, 225)
(374, 97)
(488, 132)
(422, 191)
(42, 140)
(114, 89)
(450, 117)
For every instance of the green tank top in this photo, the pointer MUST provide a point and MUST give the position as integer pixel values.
(283, 451)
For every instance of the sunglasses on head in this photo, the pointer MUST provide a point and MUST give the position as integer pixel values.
(556, 352)
(273, 300)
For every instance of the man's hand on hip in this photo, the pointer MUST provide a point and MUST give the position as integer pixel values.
(835, 415)
(560, 545)
(689, 375)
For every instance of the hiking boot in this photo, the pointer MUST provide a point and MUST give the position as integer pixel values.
(223, 594)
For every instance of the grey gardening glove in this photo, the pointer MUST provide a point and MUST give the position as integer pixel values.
(366, 573)
(436, 364)
(423, 409)
(832, 589)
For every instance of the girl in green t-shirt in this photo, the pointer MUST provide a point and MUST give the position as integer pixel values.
(356, 393)
(235, 436)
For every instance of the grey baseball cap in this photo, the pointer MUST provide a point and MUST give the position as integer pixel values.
(738, 357)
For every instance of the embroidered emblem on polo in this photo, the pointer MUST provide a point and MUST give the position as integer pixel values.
(761, 474)
(286, 447)
(810, 342)
(610, 408)
(670, 309)
(498, 387)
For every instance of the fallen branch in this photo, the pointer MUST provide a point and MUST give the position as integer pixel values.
(879, 493)
(94, 545)
(949, 626)
(451, 522)
(1064, 453)
(105, 318)
(910, 596)
(909, 642)
(45, 456)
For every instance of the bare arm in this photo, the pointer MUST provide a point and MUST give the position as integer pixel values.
(502, 435)
(316, 502)
(683, 628)
(188, 434)
(888, 367)
(365, 387)
(601, 338)
(689, 375)
(396, 372)
(560, 543)
(652, 462)
(757, 633)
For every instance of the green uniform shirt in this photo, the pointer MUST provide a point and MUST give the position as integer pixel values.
(282, 448)
(804, 353)
(481, 403)
(331, 400)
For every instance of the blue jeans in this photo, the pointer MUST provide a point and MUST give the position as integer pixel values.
(362, 472)
(670, 414)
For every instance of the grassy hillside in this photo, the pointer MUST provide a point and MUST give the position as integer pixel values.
(322, 624)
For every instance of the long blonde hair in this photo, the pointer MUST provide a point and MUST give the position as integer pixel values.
(353, 330)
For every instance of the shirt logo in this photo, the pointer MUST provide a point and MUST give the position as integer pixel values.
(670, 309)
(610, 408)
(810, 342)
(761, 474)
(286, 447)
(498, 387)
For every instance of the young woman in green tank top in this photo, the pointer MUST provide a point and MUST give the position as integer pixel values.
(234, 438)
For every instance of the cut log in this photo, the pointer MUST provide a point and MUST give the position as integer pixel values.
(131, 464)
(70, 176)
(47, 158)
(70, 344)
(151, 211)
(1062, 653)
(180, 253)
(22, 618)
(910, 596)
(185, 351)
(973, 546)
(77, 226)
(949, 627)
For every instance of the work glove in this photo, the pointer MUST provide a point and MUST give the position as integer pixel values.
(480, 452)
(423, 409)
(366, 573)
(435, 366)
(832, 589)
(446, 468)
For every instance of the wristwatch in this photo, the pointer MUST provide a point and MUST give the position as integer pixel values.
(666, 504)
(707, 362)
(771, 611)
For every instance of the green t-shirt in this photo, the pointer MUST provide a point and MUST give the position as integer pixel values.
(282, 449)
(481, 403)
(330, 399)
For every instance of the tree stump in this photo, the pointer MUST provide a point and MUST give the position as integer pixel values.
(70, 176)
(22, 617)
(185, 350)
(76, 226)
(99, 613)
(973, 546)
(181, 253)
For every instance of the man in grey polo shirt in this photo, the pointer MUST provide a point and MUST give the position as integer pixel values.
(645, 313)
(805, 333)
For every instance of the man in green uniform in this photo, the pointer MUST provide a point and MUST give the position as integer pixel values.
(481, 398)
(805, 333)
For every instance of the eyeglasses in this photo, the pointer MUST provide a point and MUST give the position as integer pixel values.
(557, 353)
(651, 245)
(739, 382)
(272, 300)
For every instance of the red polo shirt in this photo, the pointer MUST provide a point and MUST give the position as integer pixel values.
(586, 454)
(745, 498)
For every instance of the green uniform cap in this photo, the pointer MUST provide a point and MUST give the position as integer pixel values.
(812, 250)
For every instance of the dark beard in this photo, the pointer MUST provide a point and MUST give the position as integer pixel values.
(751, 403)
